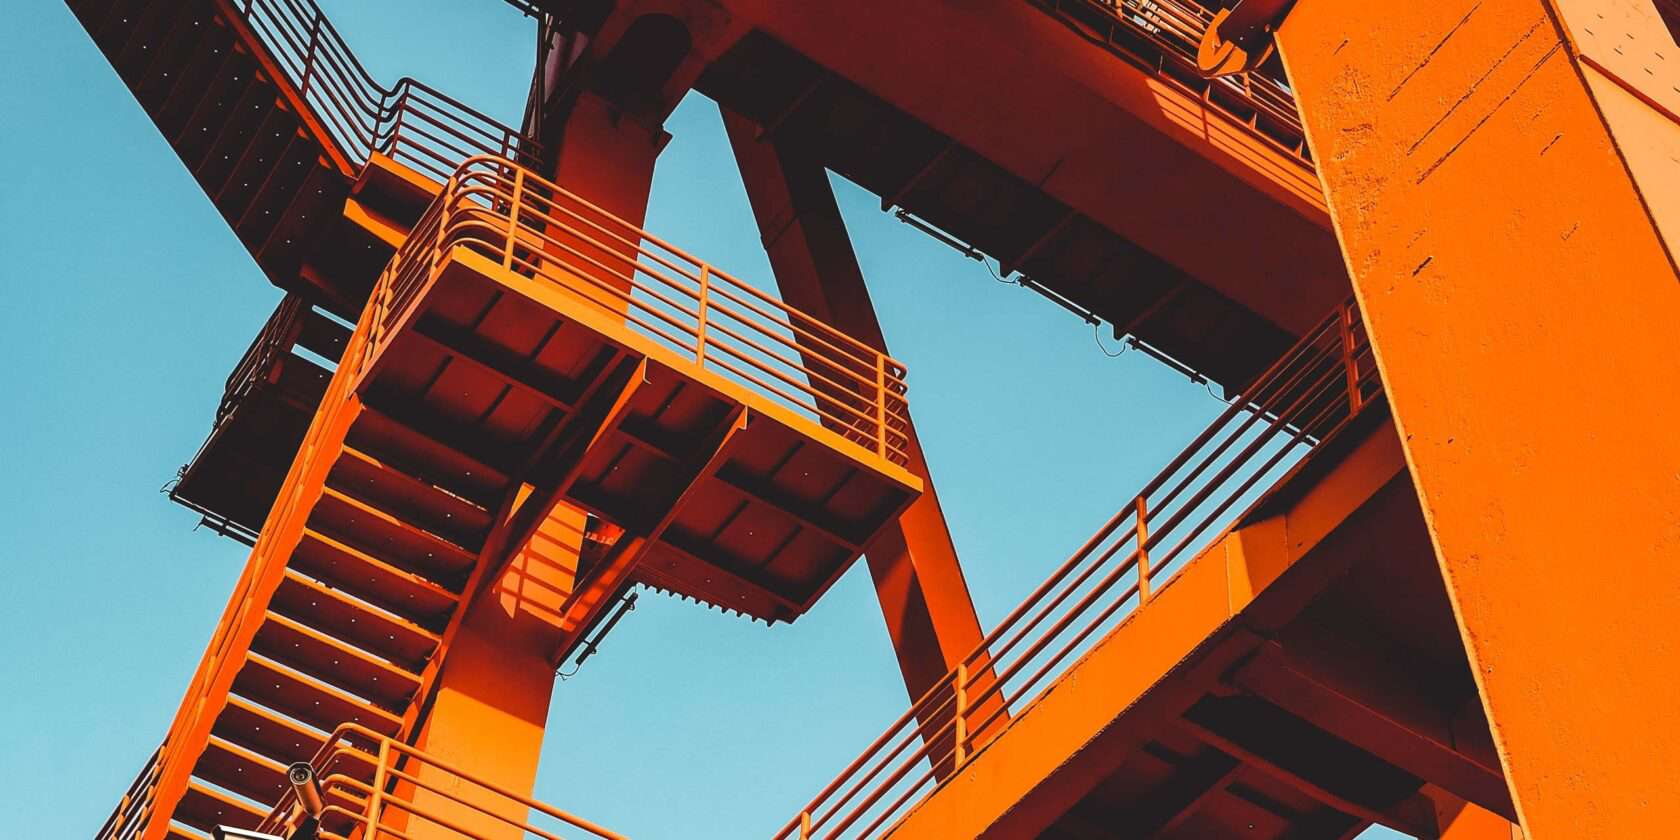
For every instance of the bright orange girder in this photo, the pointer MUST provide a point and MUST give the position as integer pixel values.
(1501, 173)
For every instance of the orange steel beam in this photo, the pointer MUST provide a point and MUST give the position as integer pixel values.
(207, 693)
(1501, 174)
(913, 562)
(493, 681)
(1137, 154)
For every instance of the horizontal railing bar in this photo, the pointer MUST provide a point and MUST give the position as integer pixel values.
(1305, 397)
(565, 239)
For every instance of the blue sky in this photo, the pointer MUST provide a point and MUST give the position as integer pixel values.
(127, 301)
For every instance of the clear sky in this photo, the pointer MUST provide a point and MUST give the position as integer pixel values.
(127, 301)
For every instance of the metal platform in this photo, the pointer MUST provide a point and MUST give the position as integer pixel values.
(277, 120)
(265, 410)
(755, 448)
(1185, 674)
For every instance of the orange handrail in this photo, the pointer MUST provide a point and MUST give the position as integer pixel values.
(534, 227)
(391, 801)
(410, 122)
(223, 657)
(1308, 396)
(1162, 36)
(135, 806)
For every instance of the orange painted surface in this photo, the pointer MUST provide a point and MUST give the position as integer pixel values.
(1494, 191)
(207, 694)
(487, 719)
(924, 598)
(1460, 820)
(1038, 767)
(1005, 78)
(492, 683)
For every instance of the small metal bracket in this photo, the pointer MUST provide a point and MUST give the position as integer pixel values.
(1239, 39)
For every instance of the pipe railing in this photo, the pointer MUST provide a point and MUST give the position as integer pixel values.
(534, 228)
(410, 122)
(1163, 36)
(135, 806)
(277, 336)
(229, 644)
(1309, 395)
(373, 786)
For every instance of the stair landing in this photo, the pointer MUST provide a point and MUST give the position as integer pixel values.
(748, 504)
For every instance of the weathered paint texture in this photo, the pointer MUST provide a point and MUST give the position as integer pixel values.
(1501, 198)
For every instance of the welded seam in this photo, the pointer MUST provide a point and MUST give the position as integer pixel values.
(1431, 55)
(1471, 92)
(1494, 110)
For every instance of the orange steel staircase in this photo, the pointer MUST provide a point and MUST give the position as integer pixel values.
(264, 412)
(365, 785)
(270, 110)
(523, 338)
(318, 168)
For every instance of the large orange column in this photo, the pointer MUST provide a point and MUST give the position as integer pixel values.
(924, 598)
(1504, 176)
(489, 707)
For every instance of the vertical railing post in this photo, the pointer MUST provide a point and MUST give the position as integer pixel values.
(881, 404)
(804, 825)
(376, 800)
(1355, 398)
(961, 721)
(444, 199)
(380, 141)
(1143, 549)
(309, 56)
(513, 215)
(704, 310)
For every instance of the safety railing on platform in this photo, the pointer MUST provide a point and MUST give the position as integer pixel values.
(1164, 37)
(412, 793)
(533, 227)
(410, 122)
(129, 817)
(276, 337)
(1309, 395)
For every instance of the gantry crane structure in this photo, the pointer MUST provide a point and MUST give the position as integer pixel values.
(1413, 576)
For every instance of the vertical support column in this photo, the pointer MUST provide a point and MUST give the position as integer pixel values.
(607, 157)
(488, 709)
(1503, 178)
(923, 595)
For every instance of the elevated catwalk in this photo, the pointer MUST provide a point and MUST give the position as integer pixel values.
(758, 448)
(525, 349)
(265, 410)
(1257, 645)
(320, 171)
(276, 119)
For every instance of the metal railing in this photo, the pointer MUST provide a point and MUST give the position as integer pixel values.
(534, 228)
(415, 792)
(1309, 395)
(410, 122)
(276, 337)
(230, 642)
(132, 811)
(1163, 36)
